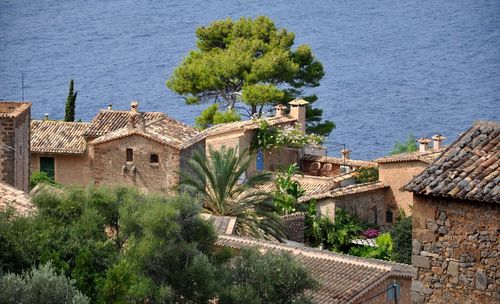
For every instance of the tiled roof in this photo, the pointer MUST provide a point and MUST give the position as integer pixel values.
(426, 157)
(110, 120)
(165, 130)
(468, 169)
(10, 109)
(338, 161)
(11, 197)
(342, 278)
(58, 137)
(250, 124)
(221, 224)
(311, 184)
(343, 191)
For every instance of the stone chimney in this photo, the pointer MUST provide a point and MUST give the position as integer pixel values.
(46, 116)
(438, 142)
(280, 110)
(424, 144)
(345, 153)
(298, 111)
(134, 107)
(110, 106)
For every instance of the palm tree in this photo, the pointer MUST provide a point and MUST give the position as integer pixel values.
(217, 181)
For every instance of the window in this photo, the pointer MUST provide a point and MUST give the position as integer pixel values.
(345, 169)
(388, 216)
(393, 291)
(47, 166)
(259, 162)
(130, 155)
(154, 159)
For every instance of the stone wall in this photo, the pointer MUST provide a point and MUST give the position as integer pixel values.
(110, 167)
(15, 151)
(368, 207)
(68, 169)
(455, 249)
(396, 175)
(380, 294)
(186, 155)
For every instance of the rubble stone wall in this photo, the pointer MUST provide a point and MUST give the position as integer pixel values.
(455, 250)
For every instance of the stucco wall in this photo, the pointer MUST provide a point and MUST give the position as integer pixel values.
(379, 294)
(368, 207)
(68, 169)
(455, 249)
(396, 175)
(110, 158)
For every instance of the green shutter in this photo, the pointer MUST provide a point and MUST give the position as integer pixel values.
(47, 165)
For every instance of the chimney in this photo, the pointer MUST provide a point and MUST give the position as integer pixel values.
(46, 116)
(345, 153)
(424, 144)
(298, 111)
(131, 122)
(438, 142)
(280, 110)
(134, 107)
(110, 106)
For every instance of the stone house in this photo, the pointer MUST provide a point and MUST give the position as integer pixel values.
(142, 149)
(456, 221)
(15, 144)
(397, 170)
(342, 278)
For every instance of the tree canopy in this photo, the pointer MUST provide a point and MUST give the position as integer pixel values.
(409, 145)
(70, 103)
(249, 61)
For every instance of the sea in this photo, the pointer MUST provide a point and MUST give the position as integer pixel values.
(393, 68)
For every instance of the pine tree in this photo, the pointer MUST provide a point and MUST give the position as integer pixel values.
(70, 103)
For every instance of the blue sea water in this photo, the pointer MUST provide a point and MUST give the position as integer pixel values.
(392, 67)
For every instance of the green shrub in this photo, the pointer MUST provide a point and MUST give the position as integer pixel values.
(41, 177)
(39, 286)
(367, 175)
(383, 251)
(402, 238)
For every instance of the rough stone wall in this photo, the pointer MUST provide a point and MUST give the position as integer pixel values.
(294, 226)
(379, 294)
(187, 153)
(69, 169)
(396, 175)
(275, 158)
(15, 154)
(368, 207)
(455, 249)
(110, 167)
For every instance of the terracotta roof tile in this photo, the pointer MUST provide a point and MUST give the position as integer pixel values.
(343, 191)
(468, 169)
(164, 130)
(58, 137)
(342, 278)
(426, 157)
(250, 124)
(110, 120)
(11, 197)
(221, 224)
(339, 161)
(311, 184)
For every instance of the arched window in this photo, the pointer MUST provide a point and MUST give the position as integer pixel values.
(154, 159)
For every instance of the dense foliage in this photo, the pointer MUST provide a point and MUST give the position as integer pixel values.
(218, 181)
(39, 285)
(70, 103)
(38, 177)
(252, 61)
(213, 116)
(273, 137)
(120, 246)
(383, 250)
(287, 190)
(402, 239)
(410, 145)
(366, 175)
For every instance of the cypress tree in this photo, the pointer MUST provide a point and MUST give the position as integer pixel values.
(70, 103)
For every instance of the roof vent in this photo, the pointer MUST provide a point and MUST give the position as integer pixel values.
(110, 106)
(438, 142)
(345, 153)
(280, 110)
(134, 107)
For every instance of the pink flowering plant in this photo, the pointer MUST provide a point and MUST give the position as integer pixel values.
(371, 233)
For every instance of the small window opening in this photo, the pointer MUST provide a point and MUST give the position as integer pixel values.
(388, 216)
(130, 155)
(154, 159)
